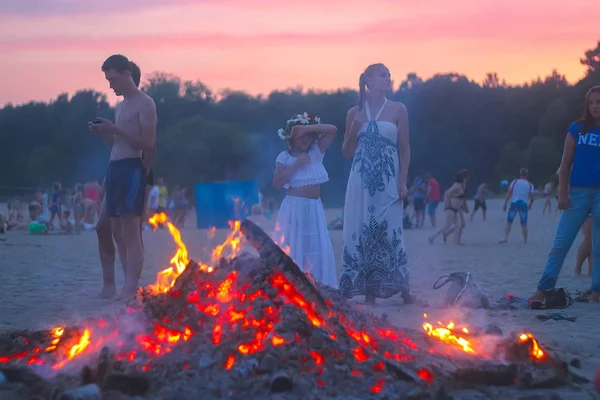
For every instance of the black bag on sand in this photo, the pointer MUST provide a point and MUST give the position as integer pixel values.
(463, 291)
(554, 299)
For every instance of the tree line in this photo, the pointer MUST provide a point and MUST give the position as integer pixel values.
(491, 128)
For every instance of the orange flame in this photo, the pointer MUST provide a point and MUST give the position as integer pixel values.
(447, 335)
(233, 241)
(165, 279)
(56, 335)
(536, 352)
(77, 349)
(157, 219)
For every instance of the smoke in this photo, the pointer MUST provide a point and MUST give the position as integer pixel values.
(90, 163)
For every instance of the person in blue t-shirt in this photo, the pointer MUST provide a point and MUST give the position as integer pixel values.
(578, 195)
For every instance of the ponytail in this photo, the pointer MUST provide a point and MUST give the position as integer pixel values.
(362, 84)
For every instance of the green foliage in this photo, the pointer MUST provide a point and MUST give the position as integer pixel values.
(197, 149)
(489, 127)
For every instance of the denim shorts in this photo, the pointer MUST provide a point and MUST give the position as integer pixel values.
(519, 207)
(432, 207)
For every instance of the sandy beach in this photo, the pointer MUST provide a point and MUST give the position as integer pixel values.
(51, 280)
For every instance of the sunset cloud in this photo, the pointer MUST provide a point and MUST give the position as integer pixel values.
(273, 41)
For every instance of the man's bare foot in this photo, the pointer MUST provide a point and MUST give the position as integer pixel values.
(107, 292)
(595, 297)
(127, 293)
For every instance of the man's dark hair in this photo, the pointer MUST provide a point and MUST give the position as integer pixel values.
(136, 74)
(117, 62)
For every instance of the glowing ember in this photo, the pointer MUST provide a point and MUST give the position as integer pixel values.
(426, 375)
(536, 352)
(377, 387)
(447, 335)
(230, 361)
(277, 341)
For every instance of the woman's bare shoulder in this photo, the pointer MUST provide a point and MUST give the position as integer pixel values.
(398, 106)
(353, 110)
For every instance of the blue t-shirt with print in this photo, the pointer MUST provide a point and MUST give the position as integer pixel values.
(586, 163)
(420, 188)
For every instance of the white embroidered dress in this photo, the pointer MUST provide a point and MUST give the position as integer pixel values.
(301, 222)
(374, 258)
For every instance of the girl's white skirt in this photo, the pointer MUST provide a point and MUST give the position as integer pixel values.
(301, 226)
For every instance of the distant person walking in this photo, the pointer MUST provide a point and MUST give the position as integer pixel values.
(480, 200)
(419, 191)
(520, 195)
(547, 195)
(453, 201)
(432, 199)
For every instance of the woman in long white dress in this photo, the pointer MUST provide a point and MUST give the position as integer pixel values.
(374, 257)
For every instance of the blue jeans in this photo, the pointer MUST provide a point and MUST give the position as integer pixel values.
(584, 200)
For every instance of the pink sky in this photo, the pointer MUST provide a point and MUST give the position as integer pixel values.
(49, 47)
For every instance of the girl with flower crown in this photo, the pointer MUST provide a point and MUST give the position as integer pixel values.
(301, 222)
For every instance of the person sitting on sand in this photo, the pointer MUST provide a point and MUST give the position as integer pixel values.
(39, 198)
(578, 196)
(66, 226)
(35, 210)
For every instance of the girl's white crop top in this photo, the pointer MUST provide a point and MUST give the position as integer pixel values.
(310, 174)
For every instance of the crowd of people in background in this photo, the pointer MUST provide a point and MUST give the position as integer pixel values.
(68, 211)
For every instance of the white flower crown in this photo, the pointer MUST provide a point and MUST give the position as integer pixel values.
(300, 119)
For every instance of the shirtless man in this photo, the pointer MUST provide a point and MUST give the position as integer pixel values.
(133, 132)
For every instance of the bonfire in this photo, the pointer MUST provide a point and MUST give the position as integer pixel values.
(249, 326)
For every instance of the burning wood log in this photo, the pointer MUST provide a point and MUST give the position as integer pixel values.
(495, 375)
(187, 276)
(401, 372)
(132, 384)
(22, 375)
(272, 254)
